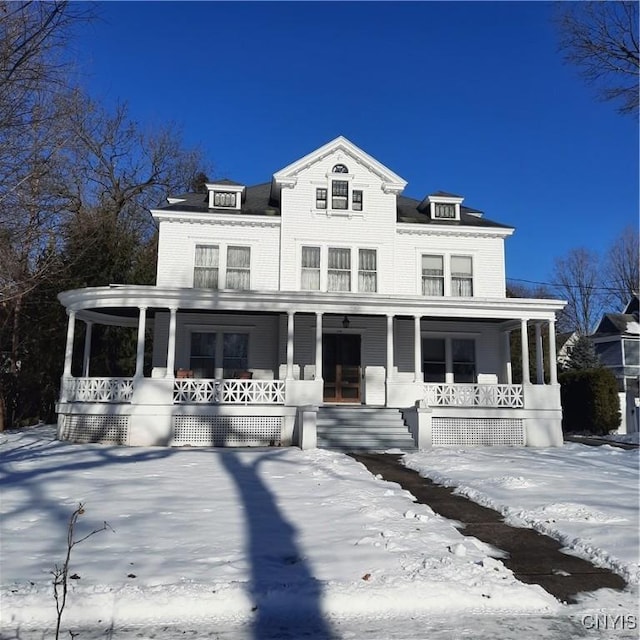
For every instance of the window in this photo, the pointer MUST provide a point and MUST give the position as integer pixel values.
(203, 355)
(453, 356)
(432, 276)
(339, 271)
(356, 198)
(340, 194)
(340, 168)
(205, 270)
(434, 364)
(631, 350)
(238, 267)
(224, 199)
(463, 356)
(444, 210)
(321, 198)
(367, 271)
(461, 276)
(235, 353)
(310, 280)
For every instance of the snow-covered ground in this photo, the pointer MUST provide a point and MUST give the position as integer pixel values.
(283, 543)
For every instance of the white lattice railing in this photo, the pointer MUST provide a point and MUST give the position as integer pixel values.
(474, 395)
(193, 390)
(98, 389)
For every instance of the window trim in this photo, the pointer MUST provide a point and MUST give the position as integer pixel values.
(219, 330)
(448, 350)
(448, 278)
(348, 270)
(196, 266)
(223, 249)
(367, 271)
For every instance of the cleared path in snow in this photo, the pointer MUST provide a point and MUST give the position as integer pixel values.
(533, 557)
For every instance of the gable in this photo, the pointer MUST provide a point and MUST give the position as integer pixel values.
(338, 151)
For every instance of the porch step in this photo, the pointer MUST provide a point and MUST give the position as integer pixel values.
(362, 429)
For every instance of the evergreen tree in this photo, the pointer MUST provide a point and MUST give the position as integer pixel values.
(582, 355)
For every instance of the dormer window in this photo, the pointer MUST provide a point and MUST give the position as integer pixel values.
(225, 194)
(442, 206)
(444, 210)
(224, 199)
(340, 168)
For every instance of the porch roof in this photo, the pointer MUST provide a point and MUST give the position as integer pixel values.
(113, 304)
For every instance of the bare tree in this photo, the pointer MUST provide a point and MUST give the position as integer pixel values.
(577, 279)
(601, 39)
(33, 72)
(622, 267)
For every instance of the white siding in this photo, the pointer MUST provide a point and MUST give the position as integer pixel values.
(487, 255)
(176, 250)
(370, 228)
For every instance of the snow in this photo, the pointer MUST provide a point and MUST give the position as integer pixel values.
(633, 327)
(585, 497)
(265, 543)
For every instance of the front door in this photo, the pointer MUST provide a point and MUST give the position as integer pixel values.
(341, 367)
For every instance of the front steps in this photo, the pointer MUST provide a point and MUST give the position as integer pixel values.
(362, 429)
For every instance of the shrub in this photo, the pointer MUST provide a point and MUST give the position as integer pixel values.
(590, 401)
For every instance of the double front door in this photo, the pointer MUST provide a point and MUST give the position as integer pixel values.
(341, 367)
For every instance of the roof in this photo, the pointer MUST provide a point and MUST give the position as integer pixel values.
(444, 194)
(408, 211)
(617, 324)
(258, 200)
(226, 182)
(255, 201)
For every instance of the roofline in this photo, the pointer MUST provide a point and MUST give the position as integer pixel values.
(149, 296)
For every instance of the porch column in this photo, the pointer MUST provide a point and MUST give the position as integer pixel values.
(553, 366)
(86, 359)
(68, 353)
(142, 321)
(171, 343)
(539, 355)
(290, 345)
(417, 350)
(318, 346)
(507, 357)
(524, 337)
(389, 347)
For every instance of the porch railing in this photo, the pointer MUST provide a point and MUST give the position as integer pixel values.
(98, 389)
(474, 395)
(209, 391)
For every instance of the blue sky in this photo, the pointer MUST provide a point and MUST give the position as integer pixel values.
(466, 97)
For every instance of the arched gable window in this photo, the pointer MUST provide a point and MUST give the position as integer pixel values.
(340, 168)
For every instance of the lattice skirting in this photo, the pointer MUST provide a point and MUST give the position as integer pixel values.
(95, 428)
(227, 431)
(482, 431)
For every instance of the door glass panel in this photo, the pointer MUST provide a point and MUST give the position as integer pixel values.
(341, 367)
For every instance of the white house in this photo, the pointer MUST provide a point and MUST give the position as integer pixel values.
(326, 287)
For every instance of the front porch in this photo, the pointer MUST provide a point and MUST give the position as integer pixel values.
(332, 349)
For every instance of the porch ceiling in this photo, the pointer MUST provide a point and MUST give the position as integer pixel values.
(123, 301)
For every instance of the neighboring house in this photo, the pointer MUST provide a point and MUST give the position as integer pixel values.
(617, 343)
(565, 343)
(325, 286)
